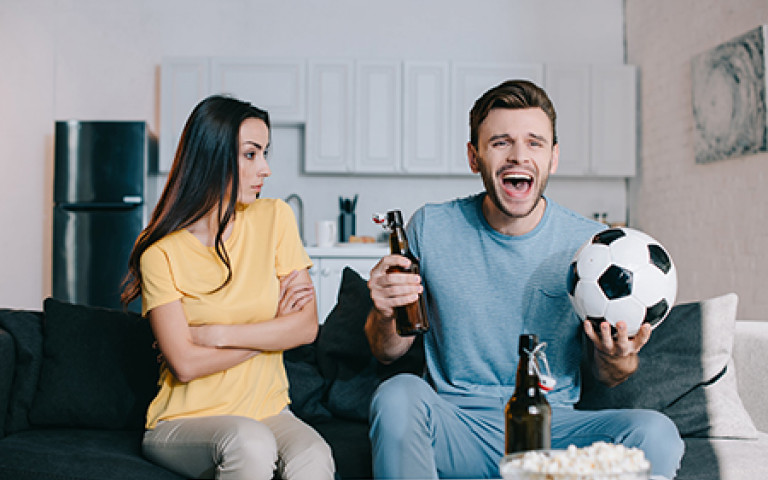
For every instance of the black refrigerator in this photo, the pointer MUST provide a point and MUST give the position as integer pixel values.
(99, 175)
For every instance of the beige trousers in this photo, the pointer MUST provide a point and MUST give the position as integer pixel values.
(240, 448)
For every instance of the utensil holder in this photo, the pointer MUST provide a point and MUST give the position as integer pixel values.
(346, 226)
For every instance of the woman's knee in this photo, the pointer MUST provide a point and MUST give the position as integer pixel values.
(247, 449)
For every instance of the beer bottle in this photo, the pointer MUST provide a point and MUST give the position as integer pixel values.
(409, 319)
(528, 416)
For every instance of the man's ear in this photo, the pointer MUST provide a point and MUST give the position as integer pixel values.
(473, 157)
(555, 158)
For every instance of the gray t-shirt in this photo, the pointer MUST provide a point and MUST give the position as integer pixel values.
(484, 289)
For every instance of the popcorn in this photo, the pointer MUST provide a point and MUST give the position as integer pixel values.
(600, 460)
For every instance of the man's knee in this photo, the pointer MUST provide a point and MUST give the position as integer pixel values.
(399, 403)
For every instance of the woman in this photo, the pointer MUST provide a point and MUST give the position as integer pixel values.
(224, 281)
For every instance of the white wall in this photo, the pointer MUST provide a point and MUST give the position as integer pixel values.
(99, 59)
(713, 218)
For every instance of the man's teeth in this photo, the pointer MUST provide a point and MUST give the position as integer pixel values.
(517, 177)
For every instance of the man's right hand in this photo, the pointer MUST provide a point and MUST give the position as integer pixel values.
(395, 289)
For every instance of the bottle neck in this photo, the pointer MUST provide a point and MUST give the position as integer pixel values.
(398, 243)
(527, 381)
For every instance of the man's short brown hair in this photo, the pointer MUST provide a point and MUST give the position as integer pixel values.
(512, 94)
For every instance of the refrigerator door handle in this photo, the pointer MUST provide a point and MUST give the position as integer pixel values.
(84, 207)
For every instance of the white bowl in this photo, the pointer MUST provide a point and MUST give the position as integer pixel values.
(511, 470)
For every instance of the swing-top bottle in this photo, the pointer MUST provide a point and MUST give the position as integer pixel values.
(528, 416)
(410, 319)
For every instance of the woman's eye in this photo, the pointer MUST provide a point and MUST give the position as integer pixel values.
(250, 155)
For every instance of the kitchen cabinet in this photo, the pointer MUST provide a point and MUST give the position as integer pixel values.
(184, 82)
(378, 107)
(278, 86)
(329, 264)
(329, 130)
(425, 117)
(377, 117)
(613, 108)
(469, 81)
(596, 118)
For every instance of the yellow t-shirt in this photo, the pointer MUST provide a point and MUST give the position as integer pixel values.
(263, 245)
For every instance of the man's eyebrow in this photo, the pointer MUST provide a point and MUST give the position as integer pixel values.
(506, 136)
(499, 136)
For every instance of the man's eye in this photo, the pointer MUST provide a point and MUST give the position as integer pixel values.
(500, 143)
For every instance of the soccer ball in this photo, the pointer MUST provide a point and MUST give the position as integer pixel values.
(622, 274)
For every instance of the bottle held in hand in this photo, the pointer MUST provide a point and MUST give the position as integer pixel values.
(409, 319)
(528, 416)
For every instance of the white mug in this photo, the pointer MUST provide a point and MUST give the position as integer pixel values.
(325, 233)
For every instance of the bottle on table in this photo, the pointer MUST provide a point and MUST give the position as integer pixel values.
(528, 416)
(409, 319)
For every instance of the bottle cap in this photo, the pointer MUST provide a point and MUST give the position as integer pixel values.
(528, 342)
(395, 218)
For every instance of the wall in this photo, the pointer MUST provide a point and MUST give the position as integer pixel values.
(99, 59)
(713, 217)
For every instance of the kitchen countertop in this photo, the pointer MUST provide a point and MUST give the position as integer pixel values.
(350, 250)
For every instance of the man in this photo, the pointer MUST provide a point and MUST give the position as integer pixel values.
(494, 265)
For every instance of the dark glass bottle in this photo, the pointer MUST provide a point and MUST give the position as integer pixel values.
(528, 416)
(409, 319)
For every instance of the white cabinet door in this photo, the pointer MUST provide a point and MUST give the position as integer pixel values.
(613, 107)
(329, 129)
(278, 86)
(184, 82)
(425, 117)
(378, 112)
(568, 86)
(326, 275)
(469, 82)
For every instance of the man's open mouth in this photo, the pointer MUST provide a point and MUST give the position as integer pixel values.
(517, 182)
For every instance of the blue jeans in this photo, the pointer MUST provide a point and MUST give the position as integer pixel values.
(417, 433)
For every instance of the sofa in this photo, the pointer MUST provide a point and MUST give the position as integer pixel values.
(75, 382)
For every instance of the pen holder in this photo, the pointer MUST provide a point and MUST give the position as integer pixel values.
(346, 226)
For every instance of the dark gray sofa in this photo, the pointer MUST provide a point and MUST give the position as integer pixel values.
(75, 383)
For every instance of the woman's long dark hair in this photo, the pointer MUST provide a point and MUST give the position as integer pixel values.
(204, 177)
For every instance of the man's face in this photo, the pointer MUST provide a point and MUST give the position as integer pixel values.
(515, 157)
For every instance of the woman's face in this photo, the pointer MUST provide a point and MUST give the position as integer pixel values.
(252, 159)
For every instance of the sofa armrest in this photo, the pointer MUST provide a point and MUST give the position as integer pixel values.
(8, 366)
(750, 356)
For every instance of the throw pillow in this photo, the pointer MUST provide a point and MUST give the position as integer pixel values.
(685, 372)
(99, 368)
(26, 329)
(344, 357)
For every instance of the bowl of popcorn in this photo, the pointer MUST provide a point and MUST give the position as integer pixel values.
(599, 461)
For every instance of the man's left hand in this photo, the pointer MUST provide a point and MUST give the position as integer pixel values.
(615, 357)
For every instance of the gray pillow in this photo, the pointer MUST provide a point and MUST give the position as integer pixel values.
(686, 372)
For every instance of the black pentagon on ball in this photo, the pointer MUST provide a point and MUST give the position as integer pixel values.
(616, 282)
(655, 313)
(606, 237)
(573, 279)
(660, 258)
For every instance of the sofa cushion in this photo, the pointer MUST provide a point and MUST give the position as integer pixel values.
(344, 357)
(99, 368)
(77, 454)
(686, 372)
(306, 385)
(26, 329)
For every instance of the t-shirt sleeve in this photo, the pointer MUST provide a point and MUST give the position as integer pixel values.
(157, 285)
(290, 254)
